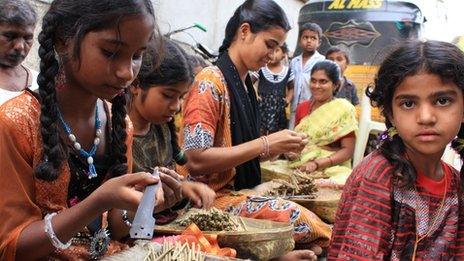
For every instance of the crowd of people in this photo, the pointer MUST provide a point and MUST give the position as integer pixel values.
(79, 139)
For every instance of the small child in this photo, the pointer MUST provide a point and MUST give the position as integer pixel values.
(275, 79)
(347, 88)
(309, 40)
(402, 201)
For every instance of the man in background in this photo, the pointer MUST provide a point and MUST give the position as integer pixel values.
(17, 23)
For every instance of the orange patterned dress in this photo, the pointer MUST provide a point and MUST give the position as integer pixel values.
(25, 199)
(206, 124)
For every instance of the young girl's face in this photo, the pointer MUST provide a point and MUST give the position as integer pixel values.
(109, 59)
(340, 59)
(277, 56)
(159, 104)
(258, 48)
(321, 86)
(309, 41)
(427, 113)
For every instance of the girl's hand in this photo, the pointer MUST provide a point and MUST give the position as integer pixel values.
(309, 167)
(120, 192)
(199, 194)
(172, 188)
(286, 141)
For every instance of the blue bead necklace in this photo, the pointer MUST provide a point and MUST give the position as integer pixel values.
(92, 173)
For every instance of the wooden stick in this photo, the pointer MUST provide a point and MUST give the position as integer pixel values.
(243, 223)
(164, 254)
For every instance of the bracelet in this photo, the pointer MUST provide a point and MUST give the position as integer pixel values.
(265, 152)
(331, 162)
(125, 218)
(51, 234)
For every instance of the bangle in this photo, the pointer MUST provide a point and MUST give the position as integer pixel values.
(51, 234)
(331, 162)
(265, 152)
(125, 218)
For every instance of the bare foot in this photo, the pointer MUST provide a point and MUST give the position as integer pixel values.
(299, 255)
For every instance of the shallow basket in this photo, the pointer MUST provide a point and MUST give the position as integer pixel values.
(262, 240)
(324, 205)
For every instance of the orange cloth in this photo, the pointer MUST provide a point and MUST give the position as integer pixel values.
(308, 227)
(25, 199)
(206, 120)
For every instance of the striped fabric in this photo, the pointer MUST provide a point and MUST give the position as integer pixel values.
(277, 77)
(378, 220)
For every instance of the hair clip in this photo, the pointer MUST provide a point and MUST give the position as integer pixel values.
(388, 134)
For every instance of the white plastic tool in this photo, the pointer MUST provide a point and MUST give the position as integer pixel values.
(144, 222)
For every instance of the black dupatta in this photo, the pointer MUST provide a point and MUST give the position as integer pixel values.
(244, 120)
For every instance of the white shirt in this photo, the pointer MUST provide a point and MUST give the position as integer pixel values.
(6, 95)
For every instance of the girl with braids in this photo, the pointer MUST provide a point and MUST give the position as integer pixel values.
(402, 202)
(221, 123)
(65, 154)
(154, 102)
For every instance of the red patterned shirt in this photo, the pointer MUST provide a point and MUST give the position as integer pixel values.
(379, 220)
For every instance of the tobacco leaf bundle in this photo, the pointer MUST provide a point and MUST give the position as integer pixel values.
(209, 220)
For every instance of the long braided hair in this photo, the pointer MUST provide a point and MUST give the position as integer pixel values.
(172, 69)
(72, 20)
(434, 57)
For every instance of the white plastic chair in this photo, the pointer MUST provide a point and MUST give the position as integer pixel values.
(366, 127)
(451, 157)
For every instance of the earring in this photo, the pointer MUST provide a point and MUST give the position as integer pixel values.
(389, 134)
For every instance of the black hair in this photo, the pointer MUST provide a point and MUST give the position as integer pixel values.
(284, 48)
(310, 27)
(173, 69)
(331, 69)
(196, 61)
(260, 14)
(440, 58)
(72, 20)
(18, 12)
(335, 49)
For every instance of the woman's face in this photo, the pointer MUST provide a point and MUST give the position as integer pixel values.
(321, 86)
(160, 103)
(109, 59)
(257, 49)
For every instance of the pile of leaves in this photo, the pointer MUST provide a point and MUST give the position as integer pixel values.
(209, 220)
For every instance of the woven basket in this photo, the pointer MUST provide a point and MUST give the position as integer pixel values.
(262, 240)
(324, 205)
